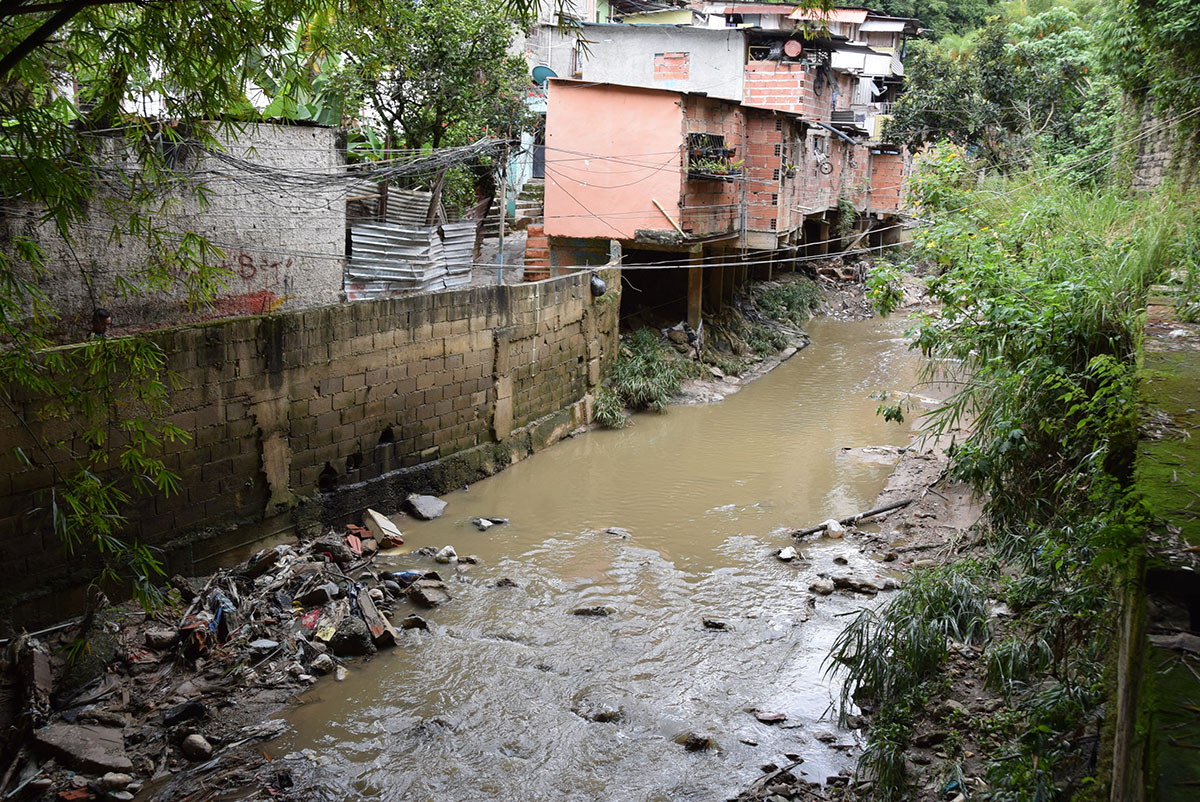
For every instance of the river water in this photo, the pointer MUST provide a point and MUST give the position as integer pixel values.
(493, 702)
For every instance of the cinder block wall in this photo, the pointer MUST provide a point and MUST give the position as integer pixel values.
(283, 244)
(303, 419)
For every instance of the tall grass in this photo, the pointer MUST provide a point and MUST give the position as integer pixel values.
(1042, 289)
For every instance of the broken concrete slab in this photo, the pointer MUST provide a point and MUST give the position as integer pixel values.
(386, 532)
(85, 747)
(428, 592)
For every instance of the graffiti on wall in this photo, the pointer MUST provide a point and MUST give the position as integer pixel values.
(265, 284)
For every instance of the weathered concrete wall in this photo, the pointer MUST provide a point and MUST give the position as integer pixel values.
(651, 56)
(305, 418)
(283, 244)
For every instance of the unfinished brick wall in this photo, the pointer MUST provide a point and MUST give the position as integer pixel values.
(786, 86)
(283, 245)
(713, 206)
(537, 254)
(764, 172)
(306, 418)
(887, 181)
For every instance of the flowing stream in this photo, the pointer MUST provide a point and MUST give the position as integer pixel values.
(496, 701)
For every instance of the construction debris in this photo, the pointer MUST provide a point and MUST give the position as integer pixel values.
(247, 640)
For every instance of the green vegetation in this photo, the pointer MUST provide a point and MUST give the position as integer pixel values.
(154, 84)
(1024, 92)
(790, 302)
(647, 372)
(1041, 286)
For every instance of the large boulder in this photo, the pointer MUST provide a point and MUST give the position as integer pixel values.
(424, 508)
(352, 638)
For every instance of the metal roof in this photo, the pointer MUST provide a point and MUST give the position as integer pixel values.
(853, 16)
(884, 26)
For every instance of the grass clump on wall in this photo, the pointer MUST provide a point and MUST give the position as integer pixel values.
(646, 374)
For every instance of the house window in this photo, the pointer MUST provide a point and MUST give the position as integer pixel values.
(709, 159)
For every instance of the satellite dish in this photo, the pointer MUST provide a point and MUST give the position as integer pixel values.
(793, 48)
(542, 73)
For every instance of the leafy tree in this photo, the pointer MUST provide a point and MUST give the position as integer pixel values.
(1030, 89)
(434, 73)
(1153, 49)
(941, 16)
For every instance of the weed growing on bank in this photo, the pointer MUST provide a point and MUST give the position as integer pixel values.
(1041, 289)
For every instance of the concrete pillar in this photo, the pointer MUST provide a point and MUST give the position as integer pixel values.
(695, 293)
(714, 283)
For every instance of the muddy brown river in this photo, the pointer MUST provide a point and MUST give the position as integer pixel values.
(496, 701)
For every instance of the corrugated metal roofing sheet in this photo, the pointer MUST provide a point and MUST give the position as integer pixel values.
(388, 258)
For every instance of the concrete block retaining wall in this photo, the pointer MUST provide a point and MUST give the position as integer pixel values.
(303, 419)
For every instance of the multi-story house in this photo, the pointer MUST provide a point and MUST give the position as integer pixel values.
(739, 139)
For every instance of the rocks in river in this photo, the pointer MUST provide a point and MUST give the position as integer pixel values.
(325, 592)
(352, 638)
(618, 531)
(322, 664)
(196, 747)
(594, 611)
(825, 736)
(505, 582)
(770, 716)
(787, 554)
(834, 529)
(160, 638)
(414, 622)
(713, 623)
(483, 524)
(428, 592)
(446, 554)
(822, 587)
(694, 742)
(929, 738)
(333, 546)
(115, 781)
(856, 584)
(424, 508)
(185, 711)
(840, 560)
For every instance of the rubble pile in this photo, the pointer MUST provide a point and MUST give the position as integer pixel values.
(177, 697)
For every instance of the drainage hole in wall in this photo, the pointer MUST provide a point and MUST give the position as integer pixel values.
(327, 480)
(387, 436)
(354, 461)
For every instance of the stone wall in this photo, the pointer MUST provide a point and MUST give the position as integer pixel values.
(282, 242)
(1159, 152)
(302, 419)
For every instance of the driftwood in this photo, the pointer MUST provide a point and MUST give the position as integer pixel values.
(853, 519)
